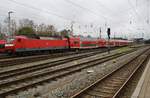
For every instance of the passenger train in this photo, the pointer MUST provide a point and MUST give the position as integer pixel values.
(21, 44)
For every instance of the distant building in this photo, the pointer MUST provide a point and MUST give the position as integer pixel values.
(138, 40)
(119, 38)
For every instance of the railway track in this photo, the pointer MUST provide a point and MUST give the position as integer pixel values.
(128, 90)
(10, 61)
(11, 72)
(16, 80)
(3, 56)
(111, 84)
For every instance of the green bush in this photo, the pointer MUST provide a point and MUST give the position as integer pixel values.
(27, 31)
(1, 36)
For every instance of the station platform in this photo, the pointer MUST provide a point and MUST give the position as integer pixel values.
(143, 87)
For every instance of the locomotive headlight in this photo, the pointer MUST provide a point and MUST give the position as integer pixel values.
(9, 45)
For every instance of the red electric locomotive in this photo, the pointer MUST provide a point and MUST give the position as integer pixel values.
(25, 44)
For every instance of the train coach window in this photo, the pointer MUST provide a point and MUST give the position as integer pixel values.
(76, 42)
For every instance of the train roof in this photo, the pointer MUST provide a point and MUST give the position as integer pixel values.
(21, 36)
(89, 39)
(2, 41)
(120, 40)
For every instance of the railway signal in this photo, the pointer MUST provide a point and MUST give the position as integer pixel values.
(100, 31)
(108, 33)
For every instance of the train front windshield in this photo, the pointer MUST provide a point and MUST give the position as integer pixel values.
(9, 42)
(2, 44)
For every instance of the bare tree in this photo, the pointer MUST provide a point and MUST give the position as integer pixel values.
(26, 23)
(41, 29)
(46, 30)
(5, 26)
(13, 26)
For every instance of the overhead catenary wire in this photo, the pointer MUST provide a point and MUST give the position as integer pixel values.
(35, 8)
(134, 9)
(127, 10)
(89, 10)
(52, 13)
(102, 5)
(148, 11)
(140, 15)
(38, 9)
(78, 5)
(45, 11)
(19, 15)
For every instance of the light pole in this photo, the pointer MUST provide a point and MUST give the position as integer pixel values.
(72, 24)
(9, 23)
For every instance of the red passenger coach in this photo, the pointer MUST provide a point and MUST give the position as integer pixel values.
(102, 43)
(74, 42)
(88, 43)
(115, 43)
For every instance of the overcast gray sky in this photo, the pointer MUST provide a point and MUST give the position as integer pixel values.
(124, 17)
